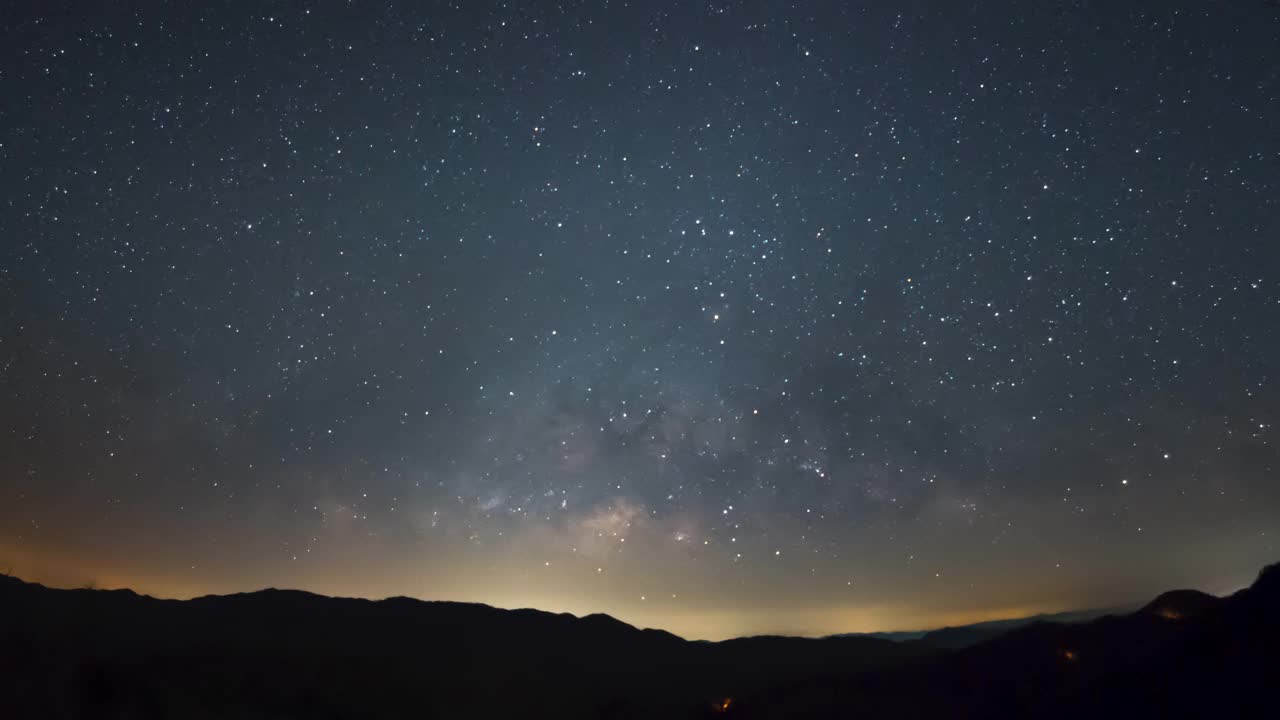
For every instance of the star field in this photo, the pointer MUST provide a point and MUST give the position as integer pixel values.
(725, 317)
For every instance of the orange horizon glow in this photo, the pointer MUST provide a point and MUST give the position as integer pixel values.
(710, 624)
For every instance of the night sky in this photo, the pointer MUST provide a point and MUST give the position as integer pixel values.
(720, 317)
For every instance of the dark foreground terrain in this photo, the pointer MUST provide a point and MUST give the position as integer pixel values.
(288, 654)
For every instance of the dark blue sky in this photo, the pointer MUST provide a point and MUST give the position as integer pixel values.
(723, 317)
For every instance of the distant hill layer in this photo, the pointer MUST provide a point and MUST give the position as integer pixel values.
(954, 638)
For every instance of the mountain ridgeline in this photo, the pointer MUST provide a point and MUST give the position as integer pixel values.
(291, 654)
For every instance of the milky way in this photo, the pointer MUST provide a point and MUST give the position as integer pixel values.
(724, 317)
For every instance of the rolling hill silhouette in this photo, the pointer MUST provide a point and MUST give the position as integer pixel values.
(287, 654)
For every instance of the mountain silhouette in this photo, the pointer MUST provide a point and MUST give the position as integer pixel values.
(1180, 604)
(1212, 657)
(292, 654)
